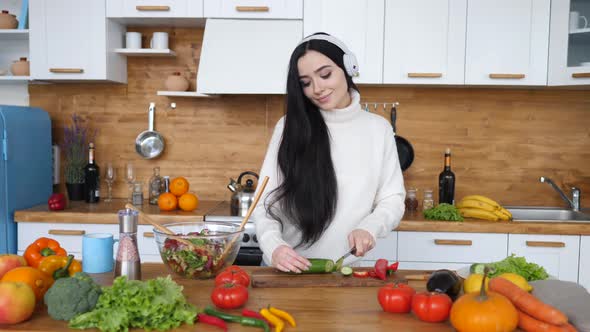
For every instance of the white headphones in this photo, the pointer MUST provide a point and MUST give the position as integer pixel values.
(350, 63)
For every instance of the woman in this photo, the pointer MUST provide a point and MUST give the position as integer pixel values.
(335, 179)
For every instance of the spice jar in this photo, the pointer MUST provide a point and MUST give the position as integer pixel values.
(411, 200)
(137, 194)
(128, 262)
(428, 201)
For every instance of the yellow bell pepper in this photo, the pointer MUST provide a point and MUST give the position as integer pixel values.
(60, 266)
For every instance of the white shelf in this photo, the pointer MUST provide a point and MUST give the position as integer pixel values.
(577, 31)
(14, 34)
(192, 94)
(145, 52)
(14, 79)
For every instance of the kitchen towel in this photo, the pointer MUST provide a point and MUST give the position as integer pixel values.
(569, 297)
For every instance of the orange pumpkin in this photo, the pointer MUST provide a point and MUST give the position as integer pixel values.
(179, 186)
(484, 312)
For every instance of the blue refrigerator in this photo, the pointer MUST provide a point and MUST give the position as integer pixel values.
(25, 166)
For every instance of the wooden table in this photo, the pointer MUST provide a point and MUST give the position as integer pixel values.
(315, 309)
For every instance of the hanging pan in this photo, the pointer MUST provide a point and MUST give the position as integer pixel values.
(405, 151)
(150, 144)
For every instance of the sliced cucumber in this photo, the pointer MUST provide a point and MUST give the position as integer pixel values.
(346, 271)
(320, 265)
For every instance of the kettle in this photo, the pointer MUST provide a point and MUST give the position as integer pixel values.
(243, 195)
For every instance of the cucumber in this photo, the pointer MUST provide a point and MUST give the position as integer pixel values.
(346, 271)
(320, 265)
(478, 268)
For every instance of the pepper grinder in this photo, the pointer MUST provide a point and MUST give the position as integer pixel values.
(128, 262)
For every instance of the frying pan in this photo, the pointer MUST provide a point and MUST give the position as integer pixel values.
(149, 144)
(405, 151)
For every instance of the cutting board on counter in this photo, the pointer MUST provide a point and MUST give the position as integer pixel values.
(270, 277)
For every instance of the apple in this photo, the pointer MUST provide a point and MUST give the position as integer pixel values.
(9, 262)
(17, 302)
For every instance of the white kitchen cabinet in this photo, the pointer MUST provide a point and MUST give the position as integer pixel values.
(384, 248)
(584, 274)
(434, 250)
(246, 56)
(155, 8)
(70, 237)
(259, 9)
(507, 42)
(358, 23)
(558, 254)
(72, 40)
(424, 42)
(569, 44)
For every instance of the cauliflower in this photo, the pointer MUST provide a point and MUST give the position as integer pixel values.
(69, 297)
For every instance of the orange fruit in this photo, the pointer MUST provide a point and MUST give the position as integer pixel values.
(167, 202)
(188, 202)
(39, 281)
(178, 186)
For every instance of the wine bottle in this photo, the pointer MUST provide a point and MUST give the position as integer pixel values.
(446, 182)
(91, 178)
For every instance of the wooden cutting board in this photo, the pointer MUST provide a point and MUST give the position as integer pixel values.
(270, 277)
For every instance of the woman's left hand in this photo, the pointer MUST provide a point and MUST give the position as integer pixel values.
(362, 240)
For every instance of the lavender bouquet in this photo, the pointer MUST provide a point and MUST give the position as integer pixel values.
(76, 139)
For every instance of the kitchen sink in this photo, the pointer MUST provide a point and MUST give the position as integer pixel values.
(547, 214)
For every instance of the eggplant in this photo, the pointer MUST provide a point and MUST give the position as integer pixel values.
(445, 281)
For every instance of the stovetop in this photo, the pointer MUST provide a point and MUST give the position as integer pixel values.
(222, 213)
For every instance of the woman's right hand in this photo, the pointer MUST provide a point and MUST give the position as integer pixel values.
(286, 259)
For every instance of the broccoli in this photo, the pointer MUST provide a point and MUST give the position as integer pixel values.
(69, 297)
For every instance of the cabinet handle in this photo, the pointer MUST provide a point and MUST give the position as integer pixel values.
(442, 242)
(66, 70)
(148, 234)
(153, 8)
(509, 76)
(65, 232)
(581, 75)
(545, 244)
(252, 8)
(425, 75)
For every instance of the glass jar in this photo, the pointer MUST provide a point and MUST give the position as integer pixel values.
(411, 200)
(137, 194)
(155, 186)
(428, 201)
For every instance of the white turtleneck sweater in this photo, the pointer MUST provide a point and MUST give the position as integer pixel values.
(370, 184)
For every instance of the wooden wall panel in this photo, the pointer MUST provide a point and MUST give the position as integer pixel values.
(502, 139)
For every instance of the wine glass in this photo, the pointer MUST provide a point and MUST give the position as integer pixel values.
(109, 178)
(130, 180)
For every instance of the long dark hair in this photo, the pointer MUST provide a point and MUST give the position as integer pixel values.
(307, 197)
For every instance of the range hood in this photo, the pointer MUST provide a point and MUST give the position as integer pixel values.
(246, 56)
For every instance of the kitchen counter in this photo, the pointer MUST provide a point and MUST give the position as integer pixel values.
(106, 213)
(314, 309)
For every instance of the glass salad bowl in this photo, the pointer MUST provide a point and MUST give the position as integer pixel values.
(199, 250)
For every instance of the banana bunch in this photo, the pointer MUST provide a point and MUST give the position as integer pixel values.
(481, 207)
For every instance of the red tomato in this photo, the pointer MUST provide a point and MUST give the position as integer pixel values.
(432, 307)
(229, 296)
(233, 274)
(396, 298)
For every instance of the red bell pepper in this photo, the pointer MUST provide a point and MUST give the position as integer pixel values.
(360, 274)
(57, 202)
(392, 268)
(381, 268)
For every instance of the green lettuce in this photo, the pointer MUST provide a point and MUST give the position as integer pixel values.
(156, 304)
(443, 211)
(519, 265)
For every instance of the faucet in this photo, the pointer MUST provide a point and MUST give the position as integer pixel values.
(574, 203)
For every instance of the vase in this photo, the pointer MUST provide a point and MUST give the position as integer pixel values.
(20, 68)
(75, 191)
(176, 82)
(7, 20)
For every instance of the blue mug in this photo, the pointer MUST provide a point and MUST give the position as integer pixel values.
(97, 252)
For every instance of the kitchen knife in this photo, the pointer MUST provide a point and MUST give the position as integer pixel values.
(338, 264)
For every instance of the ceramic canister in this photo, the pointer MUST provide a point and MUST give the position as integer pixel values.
(176, 82)
(20, 68)
(7, 20)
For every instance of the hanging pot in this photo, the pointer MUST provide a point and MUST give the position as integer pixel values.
(405, 151)
(150, 144)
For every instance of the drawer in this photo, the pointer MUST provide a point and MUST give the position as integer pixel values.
(69, 236)
(451, 247)
(155, 8)
(257, 9)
